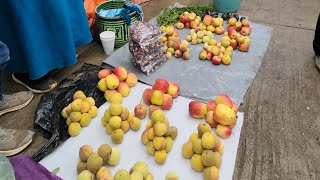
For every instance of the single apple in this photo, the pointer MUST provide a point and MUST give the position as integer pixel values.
(174, 89)
(104, 73)
(161, 85)
(219, 30)
(238, 26)
(226, 59)
(243, 47)
(203, 55)
(209, 55)
(197, 109)
(233, 43)
(216, 60)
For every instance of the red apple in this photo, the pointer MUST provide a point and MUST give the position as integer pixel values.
(243, 47)
(207, 20)
(209, 55)
(233, 43)
(231, 28)
(232, 34)
(146, 96)
(104, 73)
(211, 105)
(224, 99)
(187, 25)
(167, 102)
(216, 60)
(161, 85)
(197, 109)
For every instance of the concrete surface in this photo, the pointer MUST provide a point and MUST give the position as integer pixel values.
(280, 138)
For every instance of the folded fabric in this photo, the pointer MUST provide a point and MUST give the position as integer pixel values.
(109, 13)
(26, 168)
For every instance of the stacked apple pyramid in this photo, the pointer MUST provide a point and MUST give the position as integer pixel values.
(239, 40)
(161, 95)
(91, 163)
(159, 136)
(219, 113)
(205, 151)
(118, 120)
(174, 45)
(117, 83)
(79, 113)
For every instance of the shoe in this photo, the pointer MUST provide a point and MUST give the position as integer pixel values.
(317, 62)
(42, 85)
(15, 101)
(14, 141)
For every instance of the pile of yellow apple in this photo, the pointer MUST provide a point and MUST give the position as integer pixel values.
(138, 171)
(91, 163)
(219, 113)
(161, 95)
(118, 120)
(79, 113)
(159, 136)
(198, 36)
(174, 45)
(117, 82)
(205, 151)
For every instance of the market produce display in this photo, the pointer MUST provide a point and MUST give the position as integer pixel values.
(151, 46)
(118, 120)
(139, 171)
(117, 83)
(146, 47)
(91, 164)
(79, 113)
(161, 95)
(202, 29)
(204, 150)
(159, 136)
(219, 113)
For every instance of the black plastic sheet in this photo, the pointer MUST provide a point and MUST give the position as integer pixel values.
(51, 104)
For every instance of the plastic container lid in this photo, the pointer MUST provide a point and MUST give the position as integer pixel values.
(107, 35)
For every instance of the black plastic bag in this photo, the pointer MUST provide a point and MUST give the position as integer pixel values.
(51, 104)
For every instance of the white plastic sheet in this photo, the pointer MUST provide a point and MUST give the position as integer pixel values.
(132, 150)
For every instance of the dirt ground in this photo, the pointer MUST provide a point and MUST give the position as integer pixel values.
(280, 138)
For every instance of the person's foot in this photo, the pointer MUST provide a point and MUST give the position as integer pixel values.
(317, 62)
(14, 141)
(42, 85)
(15, 101)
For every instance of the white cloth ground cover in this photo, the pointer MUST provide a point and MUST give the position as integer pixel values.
(132, 150)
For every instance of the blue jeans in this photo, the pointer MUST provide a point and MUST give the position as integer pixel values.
(4, 58)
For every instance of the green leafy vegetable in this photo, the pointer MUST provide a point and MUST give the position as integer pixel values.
(171, 15)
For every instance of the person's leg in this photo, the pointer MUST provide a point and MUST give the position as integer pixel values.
(316, 44)
(13, 102)
(4, 58)
(41, 85)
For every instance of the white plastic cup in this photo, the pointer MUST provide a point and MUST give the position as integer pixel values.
(108, 39)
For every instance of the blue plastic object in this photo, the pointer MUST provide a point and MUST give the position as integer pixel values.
(227, 6)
